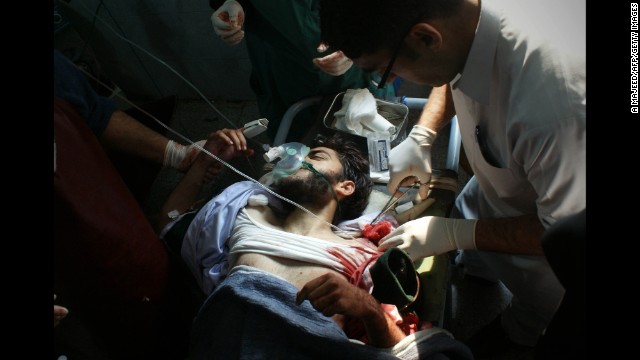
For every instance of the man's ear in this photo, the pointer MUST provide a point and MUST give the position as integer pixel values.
(345, 188)
(426, 35)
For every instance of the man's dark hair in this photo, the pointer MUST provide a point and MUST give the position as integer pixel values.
(359, 27)
(355, 167)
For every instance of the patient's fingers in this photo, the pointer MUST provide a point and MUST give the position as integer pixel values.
(316, 288)
(332, 294)
(303, 294)
(328, 304)
(233, 137)
(239, 139)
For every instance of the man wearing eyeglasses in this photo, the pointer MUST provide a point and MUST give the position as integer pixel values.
(514, 74)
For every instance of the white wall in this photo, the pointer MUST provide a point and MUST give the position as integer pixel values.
(177, 31)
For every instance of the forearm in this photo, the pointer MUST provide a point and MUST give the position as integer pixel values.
(186, 193)
(382, 330)
(516, 235)
(332, 295)
(126, 134)
(439, 109)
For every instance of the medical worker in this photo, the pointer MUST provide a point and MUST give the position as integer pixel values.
(288, 61)
(514, 74)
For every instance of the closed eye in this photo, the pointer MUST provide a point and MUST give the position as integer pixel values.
(319, 155)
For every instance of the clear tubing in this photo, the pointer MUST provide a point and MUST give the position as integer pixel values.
(338, 230)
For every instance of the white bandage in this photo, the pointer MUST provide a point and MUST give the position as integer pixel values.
(258, 200)
(179, 156)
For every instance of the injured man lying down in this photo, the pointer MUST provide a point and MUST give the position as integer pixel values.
(282, 281)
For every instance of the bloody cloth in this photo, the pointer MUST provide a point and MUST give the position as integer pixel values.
(376, 232)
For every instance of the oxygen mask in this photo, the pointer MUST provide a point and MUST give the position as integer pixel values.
(291, 157)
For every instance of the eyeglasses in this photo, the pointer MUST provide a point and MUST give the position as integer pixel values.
(387, 71)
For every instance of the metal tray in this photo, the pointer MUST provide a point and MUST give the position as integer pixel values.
(395, 113)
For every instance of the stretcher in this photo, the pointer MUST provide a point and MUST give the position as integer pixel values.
(434, 272)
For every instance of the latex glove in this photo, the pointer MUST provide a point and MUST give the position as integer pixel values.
(431, 235)
(412, 158)
(334, 64)
(227, 22)
(59, 313)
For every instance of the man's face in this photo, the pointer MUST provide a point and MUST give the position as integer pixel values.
(306, 187)
(378, 63)
(416, 69)
(412, 61)
(324, 160)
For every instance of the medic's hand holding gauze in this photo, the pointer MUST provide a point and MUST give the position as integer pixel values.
(227, 22)
(431, 235)
(412, 157)
(179, 156)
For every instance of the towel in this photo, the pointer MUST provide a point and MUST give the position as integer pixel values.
(358, 115)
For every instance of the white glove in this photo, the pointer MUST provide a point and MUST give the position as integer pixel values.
(412, 158)
(227, 22)
(431, 235)
(334, 64)
(179, 156)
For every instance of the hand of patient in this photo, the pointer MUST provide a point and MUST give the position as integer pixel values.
(226, 144)
(332, 294)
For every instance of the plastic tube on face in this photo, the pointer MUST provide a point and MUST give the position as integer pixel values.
(291, 157)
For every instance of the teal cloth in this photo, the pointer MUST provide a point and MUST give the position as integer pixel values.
(395, 280)
(282, 38)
